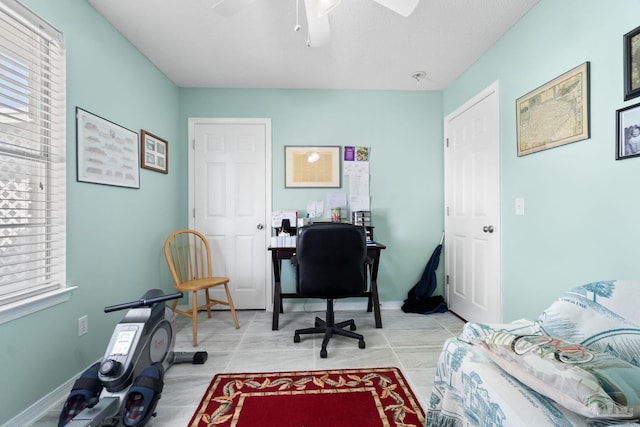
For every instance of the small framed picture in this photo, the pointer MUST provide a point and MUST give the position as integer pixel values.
(154, 152)
(632, 64)
(628, 138)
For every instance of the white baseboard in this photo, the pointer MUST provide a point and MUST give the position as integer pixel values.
(46, 404)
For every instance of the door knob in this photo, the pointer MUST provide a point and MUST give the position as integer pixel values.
(488, 228)
(260, 226)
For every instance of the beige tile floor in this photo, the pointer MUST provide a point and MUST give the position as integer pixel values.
(411, 342)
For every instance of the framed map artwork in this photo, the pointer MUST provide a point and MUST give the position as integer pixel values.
(554, 114)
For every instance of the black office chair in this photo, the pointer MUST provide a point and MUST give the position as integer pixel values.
(331, 262)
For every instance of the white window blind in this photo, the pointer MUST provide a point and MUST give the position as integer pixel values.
(32, 157)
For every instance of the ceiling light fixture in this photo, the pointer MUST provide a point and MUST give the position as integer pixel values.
(326, 6)
(418, 76)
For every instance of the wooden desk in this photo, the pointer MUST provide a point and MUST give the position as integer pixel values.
(278, 254)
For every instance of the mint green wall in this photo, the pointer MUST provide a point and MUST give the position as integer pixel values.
(404, 131)
(115, 235)
(580, 221)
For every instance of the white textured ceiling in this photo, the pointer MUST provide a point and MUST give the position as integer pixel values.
(371, 47)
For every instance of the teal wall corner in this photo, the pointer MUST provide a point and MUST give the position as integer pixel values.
(579, 222)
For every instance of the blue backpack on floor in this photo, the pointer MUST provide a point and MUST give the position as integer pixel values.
(419, 299)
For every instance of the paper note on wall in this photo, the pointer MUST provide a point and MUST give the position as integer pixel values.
(315, 208)
(359, 199)
(361, 203)
(358, 185)
(337, 200)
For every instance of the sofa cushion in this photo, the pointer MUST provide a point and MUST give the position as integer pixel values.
(474, 331)
(603, 316)
(592, 384)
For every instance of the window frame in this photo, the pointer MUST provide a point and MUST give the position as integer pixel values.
(51, 155)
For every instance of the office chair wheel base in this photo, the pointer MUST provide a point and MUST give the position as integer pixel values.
(352, 327)
(361, 344)
(296, 338)
(323, 353)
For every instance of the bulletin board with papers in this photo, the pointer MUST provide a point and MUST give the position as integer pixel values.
(356, 169)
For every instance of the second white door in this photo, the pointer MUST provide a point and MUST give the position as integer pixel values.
(230, 192)
(472, 209)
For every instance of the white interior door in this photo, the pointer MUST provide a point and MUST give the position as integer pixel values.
(230, 202)
(472, 209)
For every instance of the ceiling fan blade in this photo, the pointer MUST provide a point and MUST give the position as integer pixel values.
(318, 25)
(228, 8)
(402, 7)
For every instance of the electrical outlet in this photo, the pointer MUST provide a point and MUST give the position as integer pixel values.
(83, 325)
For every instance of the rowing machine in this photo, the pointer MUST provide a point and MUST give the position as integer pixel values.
(126, 384)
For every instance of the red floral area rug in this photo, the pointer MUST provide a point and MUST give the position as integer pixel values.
(346, 397)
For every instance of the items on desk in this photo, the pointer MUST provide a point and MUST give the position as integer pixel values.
(336, 214)
(286, 228)
(288, 214)
(285, 235)
(285, 223)
(361, 218)
(283, 240)
(337, 203)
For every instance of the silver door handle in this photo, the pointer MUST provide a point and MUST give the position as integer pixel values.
(260, 226)
(488, 229)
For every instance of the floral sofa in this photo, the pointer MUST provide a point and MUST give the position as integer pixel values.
(578, 364)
